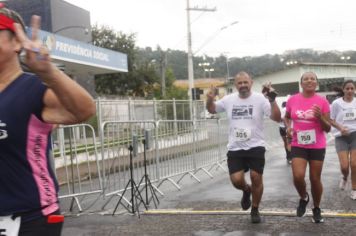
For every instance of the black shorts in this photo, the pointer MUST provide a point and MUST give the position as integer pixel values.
(308, 154)
(41, 226)
(283, 131)
(253, 159)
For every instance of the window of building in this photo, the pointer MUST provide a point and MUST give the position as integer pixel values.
(286, 88)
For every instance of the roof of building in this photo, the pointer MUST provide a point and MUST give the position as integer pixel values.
(325, 64)
(201, 83)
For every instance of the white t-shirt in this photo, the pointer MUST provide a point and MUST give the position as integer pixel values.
(344, 113)
(245, 119)
(283, 113)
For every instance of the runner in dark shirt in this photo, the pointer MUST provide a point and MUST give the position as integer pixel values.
(29, 105)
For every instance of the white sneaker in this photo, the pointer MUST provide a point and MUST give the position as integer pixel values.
(342, 184)
(353, 194)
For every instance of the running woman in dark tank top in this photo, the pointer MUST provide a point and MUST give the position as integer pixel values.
(29, 106)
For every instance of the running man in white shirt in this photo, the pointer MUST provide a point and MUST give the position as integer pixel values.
(246, 148)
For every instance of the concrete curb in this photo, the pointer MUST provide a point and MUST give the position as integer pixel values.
(281, 212)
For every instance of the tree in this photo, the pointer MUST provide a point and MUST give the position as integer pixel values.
(140, 77)
(171, 90)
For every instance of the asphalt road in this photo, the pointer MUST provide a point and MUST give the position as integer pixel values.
(211, 208)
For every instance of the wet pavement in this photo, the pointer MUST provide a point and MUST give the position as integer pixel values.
(211, 208)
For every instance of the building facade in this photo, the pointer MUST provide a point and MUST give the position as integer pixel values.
(60, 18)
(287, 82)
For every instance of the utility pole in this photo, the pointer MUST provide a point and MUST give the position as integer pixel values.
(227, 67)
(227, 82)
(163, 72)
(190, 52)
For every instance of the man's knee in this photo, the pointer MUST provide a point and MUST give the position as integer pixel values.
(238, 180)
(256, 178)
(238, 184)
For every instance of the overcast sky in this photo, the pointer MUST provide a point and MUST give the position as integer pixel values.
(264, 26)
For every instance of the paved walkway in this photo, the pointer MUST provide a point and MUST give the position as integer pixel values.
(212, 208)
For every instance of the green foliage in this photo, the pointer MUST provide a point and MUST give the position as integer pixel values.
(93, 121)
(170, 78)
(177, 93)
(171, 90)
(256, 66)
(141, 77)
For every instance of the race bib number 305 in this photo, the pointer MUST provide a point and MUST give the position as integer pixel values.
(242, 135)
(306, 137)
(9, 226)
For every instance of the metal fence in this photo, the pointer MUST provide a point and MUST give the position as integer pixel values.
(76, 162)
(123, 110)
(186, 147)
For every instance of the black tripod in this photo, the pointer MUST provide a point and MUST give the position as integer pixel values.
(147, 180)
(135, 193)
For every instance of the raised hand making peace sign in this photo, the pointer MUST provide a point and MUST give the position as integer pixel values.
(37, 56)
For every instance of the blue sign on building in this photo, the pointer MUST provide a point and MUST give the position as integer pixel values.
(65, 49)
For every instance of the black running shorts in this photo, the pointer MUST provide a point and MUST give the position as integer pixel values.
(253, 159)
(308, 154)
(44, 226)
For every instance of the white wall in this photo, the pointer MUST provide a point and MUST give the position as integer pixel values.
(293, 74)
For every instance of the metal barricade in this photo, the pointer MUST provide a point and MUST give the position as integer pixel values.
(212, 152)
(130, 109)
(186, 146)
(76, 164)
(179, 148)
(176, 145)
(116, 138)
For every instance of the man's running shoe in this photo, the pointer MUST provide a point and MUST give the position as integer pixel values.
(342, 183)
(302, 206)
(353, 194)
(255, 215)
(317, 218)
(245, 200)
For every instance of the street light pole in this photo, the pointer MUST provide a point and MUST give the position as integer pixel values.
(204, 65)
(345, 58)
(190, 52)
(163, 72)
(227, 69)
(68, 31)
(209, 70)
(214, 35)
(190, 56)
